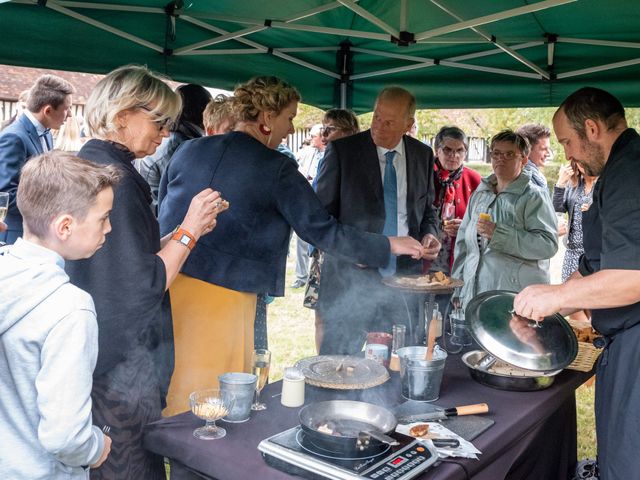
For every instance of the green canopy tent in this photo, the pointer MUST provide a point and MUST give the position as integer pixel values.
(449, 53)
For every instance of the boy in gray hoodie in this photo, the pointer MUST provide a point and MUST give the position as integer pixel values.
(48, 328)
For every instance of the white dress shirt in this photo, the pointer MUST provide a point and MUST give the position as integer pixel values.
(41, 129)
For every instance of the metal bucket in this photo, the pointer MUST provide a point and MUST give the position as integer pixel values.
(420, 378)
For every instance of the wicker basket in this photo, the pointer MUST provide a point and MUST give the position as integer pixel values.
(587, 353)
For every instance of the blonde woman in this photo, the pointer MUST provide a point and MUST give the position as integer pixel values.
(214, 299)
(128, 114)
(68, 138)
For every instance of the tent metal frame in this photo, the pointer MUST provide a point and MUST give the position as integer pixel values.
(388, 33)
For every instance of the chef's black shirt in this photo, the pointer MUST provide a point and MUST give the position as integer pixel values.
(611, 228)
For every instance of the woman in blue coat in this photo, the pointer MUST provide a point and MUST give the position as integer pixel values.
(214, 299)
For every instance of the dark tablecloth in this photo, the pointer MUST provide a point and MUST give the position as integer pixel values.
(534, 435)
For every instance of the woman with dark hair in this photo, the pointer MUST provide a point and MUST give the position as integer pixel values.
(214, 299)
(336, 123)
(128, 113)
(573, 194)
(188, 126)
(454, 184)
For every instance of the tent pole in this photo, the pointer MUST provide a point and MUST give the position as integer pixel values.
(403, 15)
(343, 95)
(343, 92)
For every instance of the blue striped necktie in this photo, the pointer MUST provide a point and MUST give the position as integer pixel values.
(390, 187)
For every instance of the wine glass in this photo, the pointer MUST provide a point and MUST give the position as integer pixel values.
(211, 405)
(4, 205)
(260, 361)
(448, 213)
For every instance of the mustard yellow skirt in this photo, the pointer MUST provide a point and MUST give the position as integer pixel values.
(213, 334)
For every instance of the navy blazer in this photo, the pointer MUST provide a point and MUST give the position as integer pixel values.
(125, 278)
(18, 142)
(247, 251)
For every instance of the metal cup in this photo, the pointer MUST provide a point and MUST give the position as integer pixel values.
(242, 386)
(420, 378)
(459, 329)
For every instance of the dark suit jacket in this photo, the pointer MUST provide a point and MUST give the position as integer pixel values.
(353, 300)
(247, 251)
(125, 277)
(350, 185)
(18, 142)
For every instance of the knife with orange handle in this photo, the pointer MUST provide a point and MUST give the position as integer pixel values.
(446, 413)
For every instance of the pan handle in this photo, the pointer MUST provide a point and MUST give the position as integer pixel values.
(365, 436)
(446, 442)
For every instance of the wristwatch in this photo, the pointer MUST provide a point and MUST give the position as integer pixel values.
(182, 236)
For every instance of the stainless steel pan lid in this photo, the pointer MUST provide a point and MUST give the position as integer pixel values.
(541, 346)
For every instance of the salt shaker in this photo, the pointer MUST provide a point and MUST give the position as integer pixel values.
(292, 388)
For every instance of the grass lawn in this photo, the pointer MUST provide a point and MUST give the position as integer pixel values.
(291, 337)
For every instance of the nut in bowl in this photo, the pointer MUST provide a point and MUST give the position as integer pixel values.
(210, 405)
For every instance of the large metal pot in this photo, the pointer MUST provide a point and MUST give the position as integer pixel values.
(533, 380)
(337, 425)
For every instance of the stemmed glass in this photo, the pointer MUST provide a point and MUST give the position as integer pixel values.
(4, 205)
(211, 405)
(260, 362)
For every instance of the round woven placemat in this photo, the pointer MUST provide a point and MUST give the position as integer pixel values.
(342, 372)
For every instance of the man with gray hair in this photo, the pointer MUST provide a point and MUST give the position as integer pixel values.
(539, 139)
(48, 106)
(379, 181)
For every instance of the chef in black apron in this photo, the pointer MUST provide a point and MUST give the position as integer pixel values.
(608, 279)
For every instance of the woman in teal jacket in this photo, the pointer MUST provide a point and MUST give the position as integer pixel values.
(511, 247)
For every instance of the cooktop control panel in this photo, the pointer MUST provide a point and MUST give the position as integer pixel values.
(403, 465)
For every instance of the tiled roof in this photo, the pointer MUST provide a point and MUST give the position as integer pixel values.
(14, 80)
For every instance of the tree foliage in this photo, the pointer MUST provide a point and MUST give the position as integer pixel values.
(478, 122)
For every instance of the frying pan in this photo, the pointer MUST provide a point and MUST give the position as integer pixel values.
(344, 422)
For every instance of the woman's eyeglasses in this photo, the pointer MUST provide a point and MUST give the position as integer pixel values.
(497, 154)
(328, 130)
(460, 152)
(161, 123)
